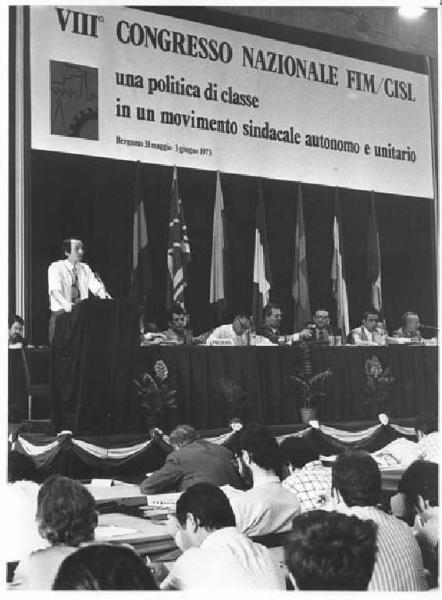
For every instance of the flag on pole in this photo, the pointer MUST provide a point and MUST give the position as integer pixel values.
(262, 280)
(339, 287)
(219, 264)
(141, 277)
(300, 290)
(178, 252)
(374, 258)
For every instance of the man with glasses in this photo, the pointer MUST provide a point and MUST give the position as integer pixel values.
(69, 282)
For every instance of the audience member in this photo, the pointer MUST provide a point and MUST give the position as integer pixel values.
(270, 327)
(19, 507)
(409, 327)
(267, 507)
(15, 332)
(426, 428)
(216, 555)
(192, 461)
(417, 502)
(66, 517)
(308, 478)
(331, 551)
(104, 567)
(367, 334)
(356, 482)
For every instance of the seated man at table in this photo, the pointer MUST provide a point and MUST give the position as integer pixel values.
(267, 507)
(409, 327)
(238, 332)
(330, 551)
(320, 326)
(216, 555)
(15, 332)
(176, 321)
(270, 327)
(309, 480)
(192, 461)
(356, 482)
(367, 334)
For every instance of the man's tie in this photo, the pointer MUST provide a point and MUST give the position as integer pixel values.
(75, 291)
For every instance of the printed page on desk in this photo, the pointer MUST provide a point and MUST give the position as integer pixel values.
(106, 532)
(166, 500)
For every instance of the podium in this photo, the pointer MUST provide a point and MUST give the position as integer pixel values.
(93, 356)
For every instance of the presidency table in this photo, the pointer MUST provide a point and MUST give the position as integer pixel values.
(205, 378)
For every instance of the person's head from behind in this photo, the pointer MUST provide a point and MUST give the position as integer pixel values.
(16, 327)
(200, 510)
(260, 450)
(425, 424)
(357, 479)
(298, 451)
(272, 315)
(73, 250)
(321, 319)
(104, 567)
(21, 467)
(410, 321)
(241, 324)
(331, 551)
(65, 511)
(370, 319)
(177, 318)
(420, 486)
(182, 435)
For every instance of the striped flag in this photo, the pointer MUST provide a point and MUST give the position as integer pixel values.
(178, 252)
(339, 287)
(300, 290)
(219, 264)
(141, 277)
(374, 258)
(262, 279)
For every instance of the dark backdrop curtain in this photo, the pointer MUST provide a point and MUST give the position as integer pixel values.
(91, 198)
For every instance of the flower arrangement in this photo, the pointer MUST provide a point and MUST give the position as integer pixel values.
(154, 393)
(378, 383)
(311, 389)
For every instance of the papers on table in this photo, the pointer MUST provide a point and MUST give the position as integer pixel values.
(105, 532)
(163, 500)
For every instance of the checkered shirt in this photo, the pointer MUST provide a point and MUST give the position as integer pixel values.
(311, 484)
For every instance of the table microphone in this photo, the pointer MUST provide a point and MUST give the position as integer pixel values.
(429, 327)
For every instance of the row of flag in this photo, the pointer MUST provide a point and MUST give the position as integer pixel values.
(179, 256)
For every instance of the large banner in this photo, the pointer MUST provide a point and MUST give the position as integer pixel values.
(128, 84)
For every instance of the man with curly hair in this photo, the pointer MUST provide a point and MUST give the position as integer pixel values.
(66, 517)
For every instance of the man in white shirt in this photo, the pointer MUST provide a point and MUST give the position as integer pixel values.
(69, 282)
(367, 334)
(216, 555)
(267, 507)
(238, 333)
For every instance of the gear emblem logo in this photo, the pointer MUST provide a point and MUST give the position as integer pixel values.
(74, 100)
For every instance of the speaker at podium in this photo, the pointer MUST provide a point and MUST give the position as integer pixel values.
(93, 356)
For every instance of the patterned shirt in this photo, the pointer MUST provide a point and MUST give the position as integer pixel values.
(311, 484)
(398, 566)
(429, 448)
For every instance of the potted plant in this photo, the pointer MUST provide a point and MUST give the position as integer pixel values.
(156, 399)
(378, 384)
(310, 392)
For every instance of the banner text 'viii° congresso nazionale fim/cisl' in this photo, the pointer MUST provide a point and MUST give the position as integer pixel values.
(128, 84)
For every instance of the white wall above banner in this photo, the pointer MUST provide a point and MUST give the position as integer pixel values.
(133, 85)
